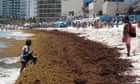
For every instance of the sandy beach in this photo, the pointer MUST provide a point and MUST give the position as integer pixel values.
(65, 58)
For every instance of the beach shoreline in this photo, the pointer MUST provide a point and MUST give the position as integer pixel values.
(9, 58)
(66, 58)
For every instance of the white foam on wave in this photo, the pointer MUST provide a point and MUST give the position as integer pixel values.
(18, 35)
(9, 60)
(9, 71)
(8, 75)
(21, 34)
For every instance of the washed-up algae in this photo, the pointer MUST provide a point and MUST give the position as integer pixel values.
(65, 58)
(13, 48)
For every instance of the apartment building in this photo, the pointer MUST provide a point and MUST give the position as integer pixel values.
(41, 9)
(18, 8)
(1, 8)
(71, 7)
(95, 7)
(23, 8)
(134, 8)
(11, 8)
(110, 7)
(114, 7)
(28, 8)
(54, 9)
(49, 9)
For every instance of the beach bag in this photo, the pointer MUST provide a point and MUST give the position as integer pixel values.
(132, 31)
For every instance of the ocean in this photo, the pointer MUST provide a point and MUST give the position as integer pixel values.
(9, 70)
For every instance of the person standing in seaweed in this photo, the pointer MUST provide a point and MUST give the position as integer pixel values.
(26, 55)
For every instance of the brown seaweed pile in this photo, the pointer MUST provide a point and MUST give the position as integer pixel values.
(64, 58)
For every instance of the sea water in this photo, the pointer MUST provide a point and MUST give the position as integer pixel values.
(9, 70)
(14, 34)
(3, 45)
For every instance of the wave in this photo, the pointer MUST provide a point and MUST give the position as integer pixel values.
(9, 70)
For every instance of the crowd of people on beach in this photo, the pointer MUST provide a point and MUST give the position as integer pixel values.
(76, 22)
(94, 24)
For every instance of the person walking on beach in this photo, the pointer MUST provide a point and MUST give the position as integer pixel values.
(126, 37)
(26, 55)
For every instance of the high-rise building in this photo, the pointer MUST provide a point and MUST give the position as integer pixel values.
(18, 8)
(11, 8)
(42, 9)
(111, 7)
(22, 8)
(1, 7)
(49, 9)
(29, 8)
(54, 9)
(72, 7)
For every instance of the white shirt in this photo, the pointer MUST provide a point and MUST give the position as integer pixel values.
(25, 52)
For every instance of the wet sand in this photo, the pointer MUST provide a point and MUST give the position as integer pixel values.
(64, 58)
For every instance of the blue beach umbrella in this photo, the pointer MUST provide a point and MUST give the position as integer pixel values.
(104, 17)
(87, 1)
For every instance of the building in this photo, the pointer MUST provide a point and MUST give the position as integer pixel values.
(33, 8)
(134, 7)
(28, 8)
(18, 8)
(23, 9)
(11, 8)
(71, 7)
(49, 9)
(40, 9)
(54, 9)
(86, 7)
(1, 8)
(114, 7)
(110, 7)
(95, 8)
